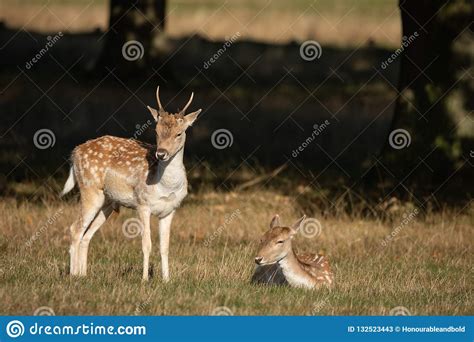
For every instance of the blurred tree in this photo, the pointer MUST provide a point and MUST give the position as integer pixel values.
(436, 88)
(135, 35)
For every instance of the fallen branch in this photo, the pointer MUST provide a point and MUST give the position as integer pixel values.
(262, 178)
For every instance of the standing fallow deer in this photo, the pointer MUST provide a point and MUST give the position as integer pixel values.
(278, 264)
(112, 172)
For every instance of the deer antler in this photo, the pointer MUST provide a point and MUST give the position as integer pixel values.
(182, 111)
(160, 107)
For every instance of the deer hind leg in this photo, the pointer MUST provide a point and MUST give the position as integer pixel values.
(75, 240)
(99, 220)
(91, 203)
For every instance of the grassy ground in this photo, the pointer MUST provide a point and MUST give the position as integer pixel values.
(426, 267)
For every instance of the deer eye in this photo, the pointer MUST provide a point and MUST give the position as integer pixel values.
(179, 134)
(280, 241)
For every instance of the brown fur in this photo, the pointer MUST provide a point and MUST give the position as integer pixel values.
(128, 158)
(112, 171)
(276, 257)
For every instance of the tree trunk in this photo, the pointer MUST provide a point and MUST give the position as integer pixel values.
(434, 109)
(135, 35)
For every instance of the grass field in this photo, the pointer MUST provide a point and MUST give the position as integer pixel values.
(425, 267)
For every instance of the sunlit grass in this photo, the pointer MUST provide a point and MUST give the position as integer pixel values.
(426, 268)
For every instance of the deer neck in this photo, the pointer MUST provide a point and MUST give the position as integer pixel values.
(293, 272)
(171, 173)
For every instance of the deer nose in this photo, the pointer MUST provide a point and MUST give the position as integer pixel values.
(161, 154)
(258, 260)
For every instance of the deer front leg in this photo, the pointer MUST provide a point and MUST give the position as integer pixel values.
(165, 227)
(144, 214)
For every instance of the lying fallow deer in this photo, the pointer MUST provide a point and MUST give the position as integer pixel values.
(112, 171)
(279, 264)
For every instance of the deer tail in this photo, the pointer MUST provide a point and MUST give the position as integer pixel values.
(70, 183)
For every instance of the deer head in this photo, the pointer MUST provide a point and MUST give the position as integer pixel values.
(171, 128)
(275, 244)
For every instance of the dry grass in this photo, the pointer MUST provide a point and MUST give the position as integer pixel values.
(328, 22)
(426, 268)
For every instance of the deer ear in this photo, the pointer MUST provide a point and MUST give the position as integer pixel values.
(154, 112)
(191, 117)
(275, 222)
(297, 225)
